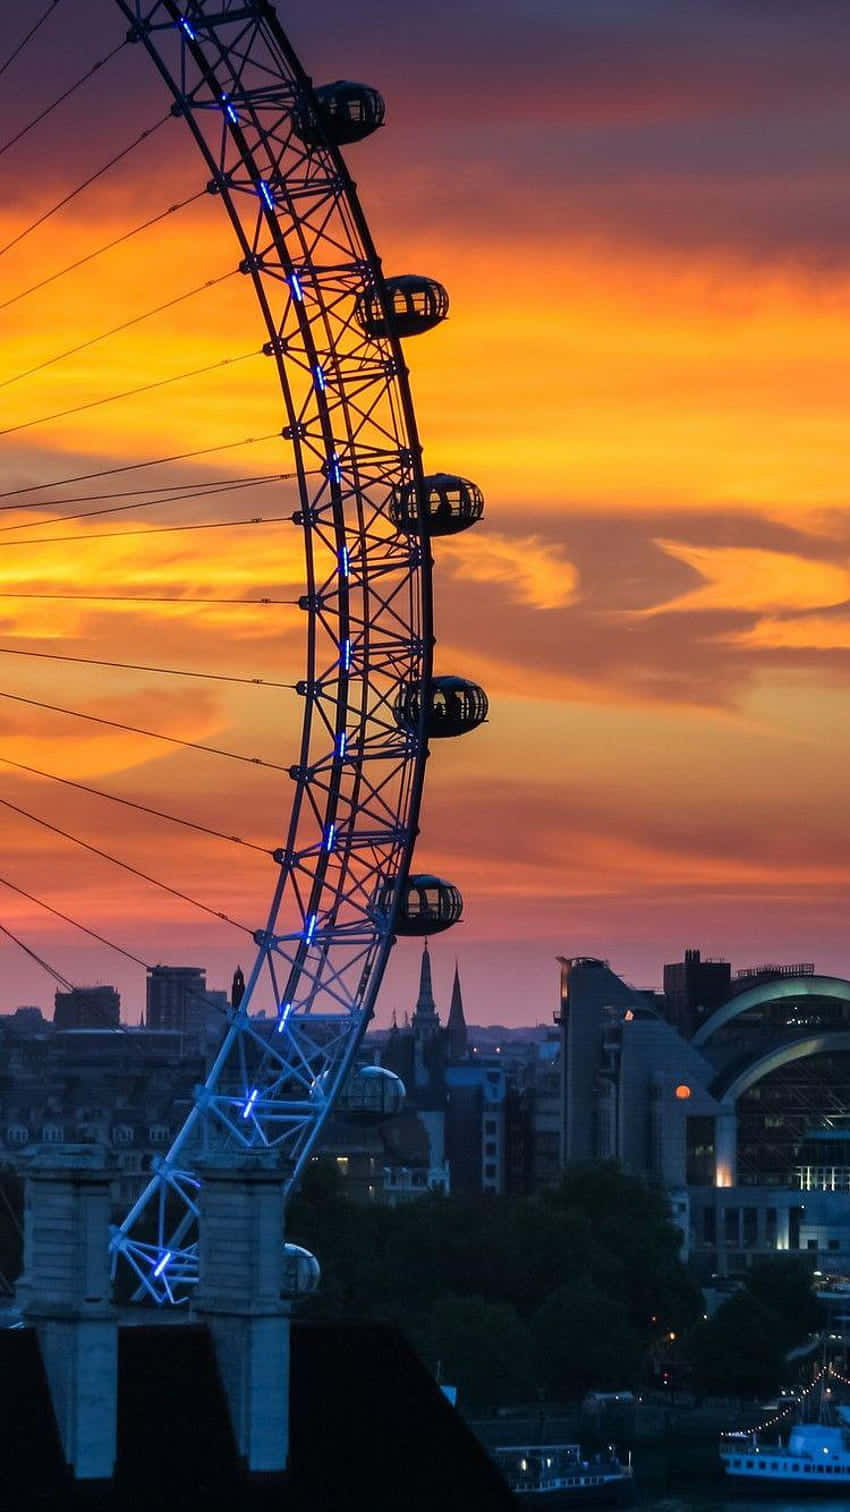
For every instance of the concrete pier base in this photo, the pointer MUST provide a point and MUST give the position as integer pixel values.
(239, 1298)
(65, 1291)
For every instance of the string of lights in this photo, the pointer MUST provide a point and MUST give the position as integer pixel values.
(780, 1417)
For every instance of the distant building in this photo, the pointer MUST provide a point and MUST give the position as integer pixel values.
(129, 1089)
(177, 998)
(745, 1120)
(87, 1008)
(172, 995)
(693, 988)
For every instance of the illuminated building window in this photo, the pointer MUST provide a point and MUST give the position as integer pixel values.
(683, 1091)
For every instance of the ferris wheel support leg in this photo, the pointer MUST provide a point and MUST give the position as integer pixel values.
(240, 1277)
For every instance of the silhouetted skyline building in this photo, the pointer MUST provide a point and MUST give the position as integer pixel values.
(172, 992)
(87, 1008)
(693, 988)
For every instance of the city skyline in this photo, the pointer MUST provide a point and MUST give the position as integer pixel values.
(646, 250)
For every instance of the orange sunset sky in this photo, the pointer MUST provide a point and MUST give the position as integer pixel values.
(641, 215)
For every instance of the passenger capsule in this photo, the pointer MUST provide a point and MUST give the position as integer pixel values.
(371, 1094)
(449, 504)
(454, 707)
(340, 113)
(428, 905)
(414, 304)
(301, 1271)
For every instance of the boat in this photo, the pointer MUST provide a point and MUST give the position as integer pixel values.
(815, 1458)
(555, 1476)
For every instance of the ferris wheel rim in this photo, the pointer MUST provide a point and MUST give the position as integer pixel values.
(382, 930)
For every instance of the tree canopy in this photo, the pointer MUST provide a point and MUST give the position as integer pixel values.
(569, 1289)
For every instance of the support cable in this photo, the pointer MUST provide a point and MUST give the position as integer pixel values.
(90, 661)
(99, 251)
(95, 850)
(109, 472)
(151, 488)
(115, 724)
(56, 975)
(211, 283)
(123, 535)
(211, 491)
(60, 99)
(75, 923)
(46, 215)
(102, 939)
(143, 808)
(160, 598)
(16, 51)
(143, 388)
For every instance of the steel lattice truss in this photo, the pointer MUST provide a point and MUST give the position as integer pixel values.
(358, 778)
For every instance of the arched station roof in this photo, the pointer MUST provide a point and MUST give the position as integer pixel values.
(773, 992)
(780, 1055)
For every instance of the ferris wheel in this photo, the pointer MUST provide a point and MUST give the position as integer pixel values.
(341, 879)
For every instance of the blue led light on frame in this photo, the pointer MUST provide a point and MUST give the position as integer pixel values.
(185, 27)
(344, 561)
(246, 1111)
(161, 1264)
(311, 929)
(319, 374)
(285, 1017)
(229, 111)
(329, 837)
(266, 193)
(295, 285)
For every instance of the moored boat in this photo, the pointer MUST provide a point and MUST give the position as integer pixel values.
(815, 1459)
(555, 1476)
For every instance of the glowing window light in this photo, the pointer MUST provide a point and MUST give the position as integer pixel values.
(246, 1111)
(683, 1091)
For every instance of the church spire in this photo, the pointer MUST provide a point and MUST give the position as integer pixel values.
(456, 1029)
(425, 1014)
